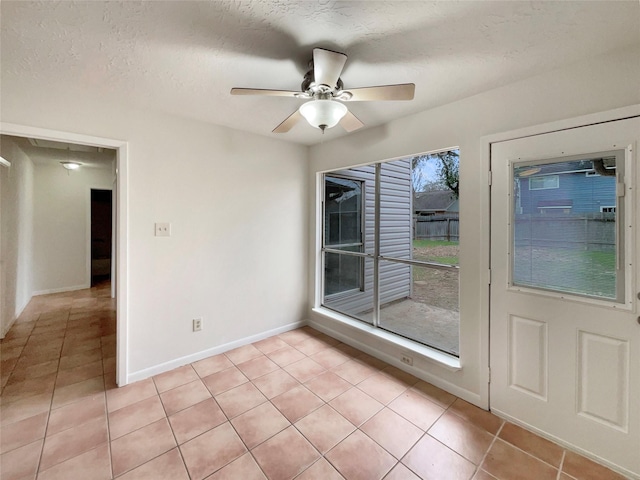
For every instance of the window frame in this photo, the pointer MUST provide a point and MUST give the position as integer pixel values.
(336, 249)
(544, 177)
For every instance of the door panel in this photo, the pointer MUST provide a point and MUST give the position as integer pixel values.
(565, 342)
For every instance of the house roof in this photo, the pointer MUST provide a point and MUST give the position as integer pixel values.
(575, 166)
(435, 201)
(183, 58)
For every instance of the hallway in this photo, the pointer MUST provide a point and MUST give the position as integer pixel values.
(298, 405)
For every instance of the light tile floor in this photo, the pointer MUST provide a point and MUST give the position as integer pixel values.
(298, 405)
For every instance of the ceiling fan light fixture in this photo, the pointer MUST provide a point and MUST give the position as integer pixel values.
(323, 114)
(71, 165)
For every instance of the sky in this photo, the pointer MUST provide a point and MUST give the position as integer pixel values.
(429, 169)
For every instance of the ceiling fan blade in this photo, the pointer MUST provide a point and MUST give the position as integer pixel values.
(327, 66)
(403, 91)
(258, 91)
(288, 122)
(350, 122)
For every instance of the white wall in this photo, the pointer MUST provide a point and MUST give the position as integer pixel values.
(16, 255)
(237, 204)
(62, 228)
(237, 254)
(600, 84)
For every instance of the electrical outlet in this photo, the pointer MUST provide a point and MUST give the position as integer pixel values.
(197, 324)
(163, 229)
(406, 359)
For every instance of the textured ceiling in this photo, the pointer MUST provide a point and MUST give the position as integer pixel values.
(183, 57)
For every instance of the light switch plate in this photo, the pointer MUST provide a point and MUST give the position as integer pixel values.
(163, 229)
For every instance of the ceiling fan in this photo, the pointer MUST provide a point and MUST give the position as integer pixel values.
(324, 89)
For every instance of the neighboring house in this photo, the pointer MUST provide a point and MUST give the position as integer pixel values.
(349, 211)
(564, 188)
(437, 202)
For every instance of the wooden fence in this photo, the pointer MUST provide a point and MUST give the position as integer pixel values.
(586, 231)
(437, 227)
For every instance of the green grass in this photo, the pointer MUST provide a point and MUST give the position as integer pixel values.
(432, 243)
(445, 260)
(571, 270)
(605, 260)
(426, 256)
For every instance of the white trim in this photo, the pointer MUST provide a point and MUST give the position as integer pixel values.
(72, 288)
(194, 357)
(121, 246)
(318, 267)
(4, 162)
(19, 311)
(386, 160)
(452, 388)
(431, 354)
(584, 120)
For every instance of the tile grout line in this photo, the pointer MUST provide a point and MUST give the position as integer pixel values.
(561, 466)
(495, 438)
(268, 400)
(64, 338)
(184, 463)
(356, 428)
(50, 403)
(46, 428)
(529, 453)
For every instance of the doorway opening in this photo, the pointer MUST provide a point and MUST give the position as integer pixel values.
(95, 172)
(101, 236)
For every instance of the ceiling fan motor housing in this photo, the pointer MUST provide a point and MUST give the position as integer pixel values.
(308, 83)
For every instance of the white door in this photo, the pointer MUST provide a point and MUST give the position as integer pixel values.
(565, 337)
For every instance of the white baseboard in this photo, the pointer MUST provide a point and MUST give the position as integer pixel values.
(567, 445)
(6, 329)
(61, 290)
(469, 396)
(19, 310)
(179, 362)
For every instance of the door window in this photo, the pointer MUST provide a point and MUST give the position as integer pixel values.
(566, 235)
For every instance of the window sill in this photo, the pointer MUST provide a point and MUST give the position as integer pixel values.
(422, 351)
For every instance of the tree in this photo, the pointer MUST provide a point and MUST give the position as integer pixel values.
(446, 172)
(418, 178)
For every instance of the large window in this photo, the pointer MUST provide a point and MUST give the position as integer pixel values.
(390, 247)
